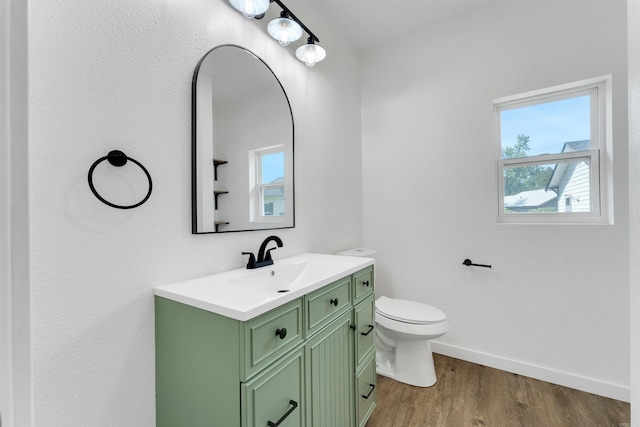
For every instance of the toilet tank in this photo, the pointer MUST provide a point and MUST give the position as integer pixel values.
(362, 252)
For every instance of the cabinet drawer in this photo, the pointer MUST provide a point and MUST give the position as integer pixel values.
(366, 390)
(364, 322)
(326, 304)
(276, 394)
(362, 284)
(271, 335)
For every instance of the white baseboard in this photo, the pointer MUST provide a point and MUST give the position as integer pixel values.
(590, 385)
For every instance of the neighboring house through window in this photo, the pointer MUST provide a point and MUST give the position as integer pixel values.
(554, 154)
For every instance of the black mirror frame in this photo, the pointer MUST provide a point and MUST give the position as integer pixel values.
(194, 147)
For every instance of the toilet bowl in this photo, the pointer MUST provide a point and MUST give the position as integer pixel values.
(403, 333)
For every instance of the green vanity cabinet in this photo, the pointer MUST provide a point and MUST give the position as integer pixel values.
(306, 363)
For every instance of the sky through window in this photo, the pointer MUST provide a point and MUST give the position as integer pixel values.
(548, 125)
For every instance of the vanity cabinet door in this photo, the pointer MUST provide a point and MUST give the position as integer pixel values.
(276, 395)
(362, 284)
(366, 390)
(329, 358)
(364, 323)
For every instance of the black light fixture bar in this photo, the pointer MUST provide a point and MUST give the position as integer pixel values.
(295, 18)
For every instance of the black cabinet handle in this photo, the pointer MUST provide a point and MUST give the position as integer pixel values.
(334, 302)
(365, 283)
(368, 332)
(370, 391)
(294, 405)
(281, 333)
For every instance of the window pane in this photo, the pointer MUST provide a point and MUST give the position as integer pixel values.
(272, 167)
(273, 201)
(546, 128)
(560, 187)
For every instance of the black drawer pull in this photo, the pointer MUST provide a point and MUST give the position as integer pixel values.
(281, 333)
(365, 283)
(370, 391)
(368, 332)
(294, 405)
(334, 302)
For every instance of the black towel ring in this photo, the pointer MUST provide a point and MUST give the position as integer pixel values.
(117, 158)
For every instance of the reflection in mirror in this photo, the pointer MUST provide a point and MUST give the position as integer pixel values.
(242, 145)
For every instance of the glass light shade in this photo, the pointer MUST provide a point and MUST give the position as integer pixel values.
(250, 8)
(285, 30)
(311, 54)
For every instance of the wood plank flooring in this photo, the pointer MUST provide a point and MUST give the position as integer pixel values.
(467, 394)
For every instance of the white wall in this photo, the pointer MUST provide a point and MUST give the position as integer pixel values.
(6, 411)
(108, 74)
(555, 305)
(15, 322)
(634, 202)
(116, 74)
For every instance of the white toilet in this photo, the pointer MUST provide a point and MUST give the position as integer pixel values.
(404, 330)
(403, 334)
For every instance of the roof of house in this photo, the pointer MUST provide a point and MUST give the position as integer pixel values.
(529, 199)
(576, 145)
(560, 168)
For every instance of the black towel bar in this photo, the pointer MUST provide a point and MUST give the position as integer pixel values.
(468, 262)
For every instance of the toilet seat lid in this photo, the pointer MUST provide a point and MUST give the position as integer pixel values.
(408, 311)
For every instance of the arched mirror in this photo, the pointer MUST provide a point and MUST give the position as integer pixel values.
(242, 145)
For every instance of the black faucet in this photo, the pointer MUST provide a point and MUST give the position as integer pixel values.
(264, 259)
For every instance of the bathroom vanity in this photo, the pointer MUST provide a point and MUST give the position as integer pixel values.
(286, 345)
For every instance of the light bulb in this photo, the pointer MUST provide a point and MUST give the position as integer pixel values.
(250, 8)
(284, 29)
(311, 53)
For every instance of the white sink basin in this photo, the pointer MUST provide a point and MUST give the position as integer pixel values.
(280, 278)
(244, 294)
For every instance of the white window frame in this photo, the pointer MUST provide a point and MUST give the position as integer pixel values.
(598, 157)
(257, 187)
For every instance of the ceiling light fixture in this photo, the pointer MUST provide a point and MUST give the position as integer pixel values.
(286, 29)
(311, 53)
(251, 8)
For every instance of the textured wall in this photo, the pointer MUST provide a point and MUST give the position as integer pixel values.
(634, 202)
(555, 302)
(109, 74)
(15, 315)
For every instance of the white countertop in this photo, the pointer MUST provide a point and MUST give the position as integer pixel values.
(243, 294)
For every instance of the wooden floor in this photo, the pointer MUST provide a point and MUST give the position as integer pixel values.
(467, 394)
